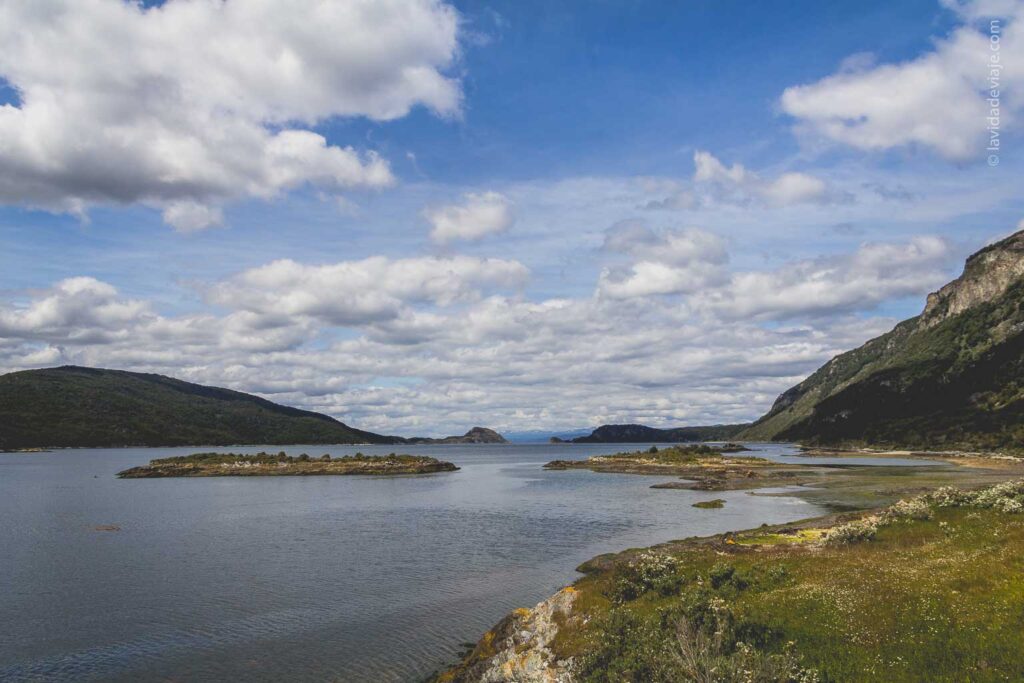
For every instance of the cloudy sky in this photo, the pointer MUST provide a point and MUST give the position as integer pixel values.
(419, 216)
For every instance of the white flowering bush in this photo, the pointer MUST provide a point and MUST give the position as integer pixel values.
(909, 509)
(1006, 497)
(949, 497)
(649, 571)
(851, 532)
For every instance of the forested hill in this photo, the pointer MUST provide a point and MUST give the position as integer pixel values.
(90, 407)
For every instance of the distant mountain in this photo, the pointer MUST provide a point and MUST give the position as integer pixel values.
(545, 435)
(952, 377)
(474, 435)
(633, 433)
(90, 407)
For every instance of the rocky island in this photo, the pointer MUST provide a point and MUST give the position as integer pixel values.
(706, 468)
(269, 465)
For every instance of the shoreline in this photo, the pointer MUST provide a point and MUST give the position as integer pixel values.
(525, 646)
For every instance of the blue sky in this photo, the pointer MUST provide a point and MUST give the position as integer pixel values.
(420, 216)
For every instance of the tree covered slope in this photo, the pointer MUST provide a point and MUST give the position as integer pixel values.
(952, 377)
(88, 407)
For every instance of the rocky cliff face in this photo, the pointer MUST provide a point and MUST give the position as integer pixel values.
(950, 378)
(987, 275)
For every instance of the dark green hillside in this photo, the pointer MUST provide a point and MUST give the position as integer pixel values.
(75, 406)
(634, 433)
(950, 378)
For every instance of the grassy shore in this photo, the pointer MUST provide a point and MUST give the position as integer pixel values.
(928, 589)
(266, 464)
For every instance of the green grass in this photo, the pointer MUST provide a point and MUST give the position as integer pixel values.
(263, 458)
(710, 504)
(683, 455)
(938, 599)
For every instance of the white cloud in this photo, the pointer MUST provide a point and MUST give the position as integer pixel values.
(190, 104)
(672, 262)
(359, 292)
(795, 188)
(937, 100)
(479, 215)
(186, 215)
(831, 285)
(79, 309)
(427, 350)
(737, 185)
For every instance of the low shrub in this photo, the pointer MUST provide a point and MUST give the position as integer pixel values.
(852, 532)
(649, 571)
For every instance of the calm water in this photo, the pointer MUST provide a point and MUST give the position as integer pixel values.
(308, 578)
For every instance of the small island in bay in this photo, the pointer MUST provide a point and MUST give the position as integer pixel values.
(709, 468)
(281, 464)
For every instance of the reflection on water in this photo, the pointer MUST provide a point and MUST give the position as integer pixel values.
(319, 578)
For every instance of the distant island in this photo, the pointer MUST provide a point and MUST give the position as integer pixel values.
(269, 465)
(474, 435)
(636, 433)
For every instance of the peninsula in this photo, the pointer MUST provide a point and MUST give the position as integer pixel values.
(269, 465)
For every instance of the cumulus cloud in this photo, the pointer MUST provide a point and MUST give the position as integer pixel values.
(187, 105)
(513, 363)
(735, 184)
(479, 215)
(937, 100)
(428, 345)
(716, 184)
(670, 262)
(831, 285)
(358, 292)
(81, 309)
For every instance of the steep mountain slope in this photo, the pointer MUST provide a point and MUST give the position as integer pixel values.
(76, 406)
(952, 377)
(634, 433)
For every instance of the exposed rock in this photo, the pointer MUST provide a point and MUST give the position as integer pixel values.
(987, 274)
(517, 650)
